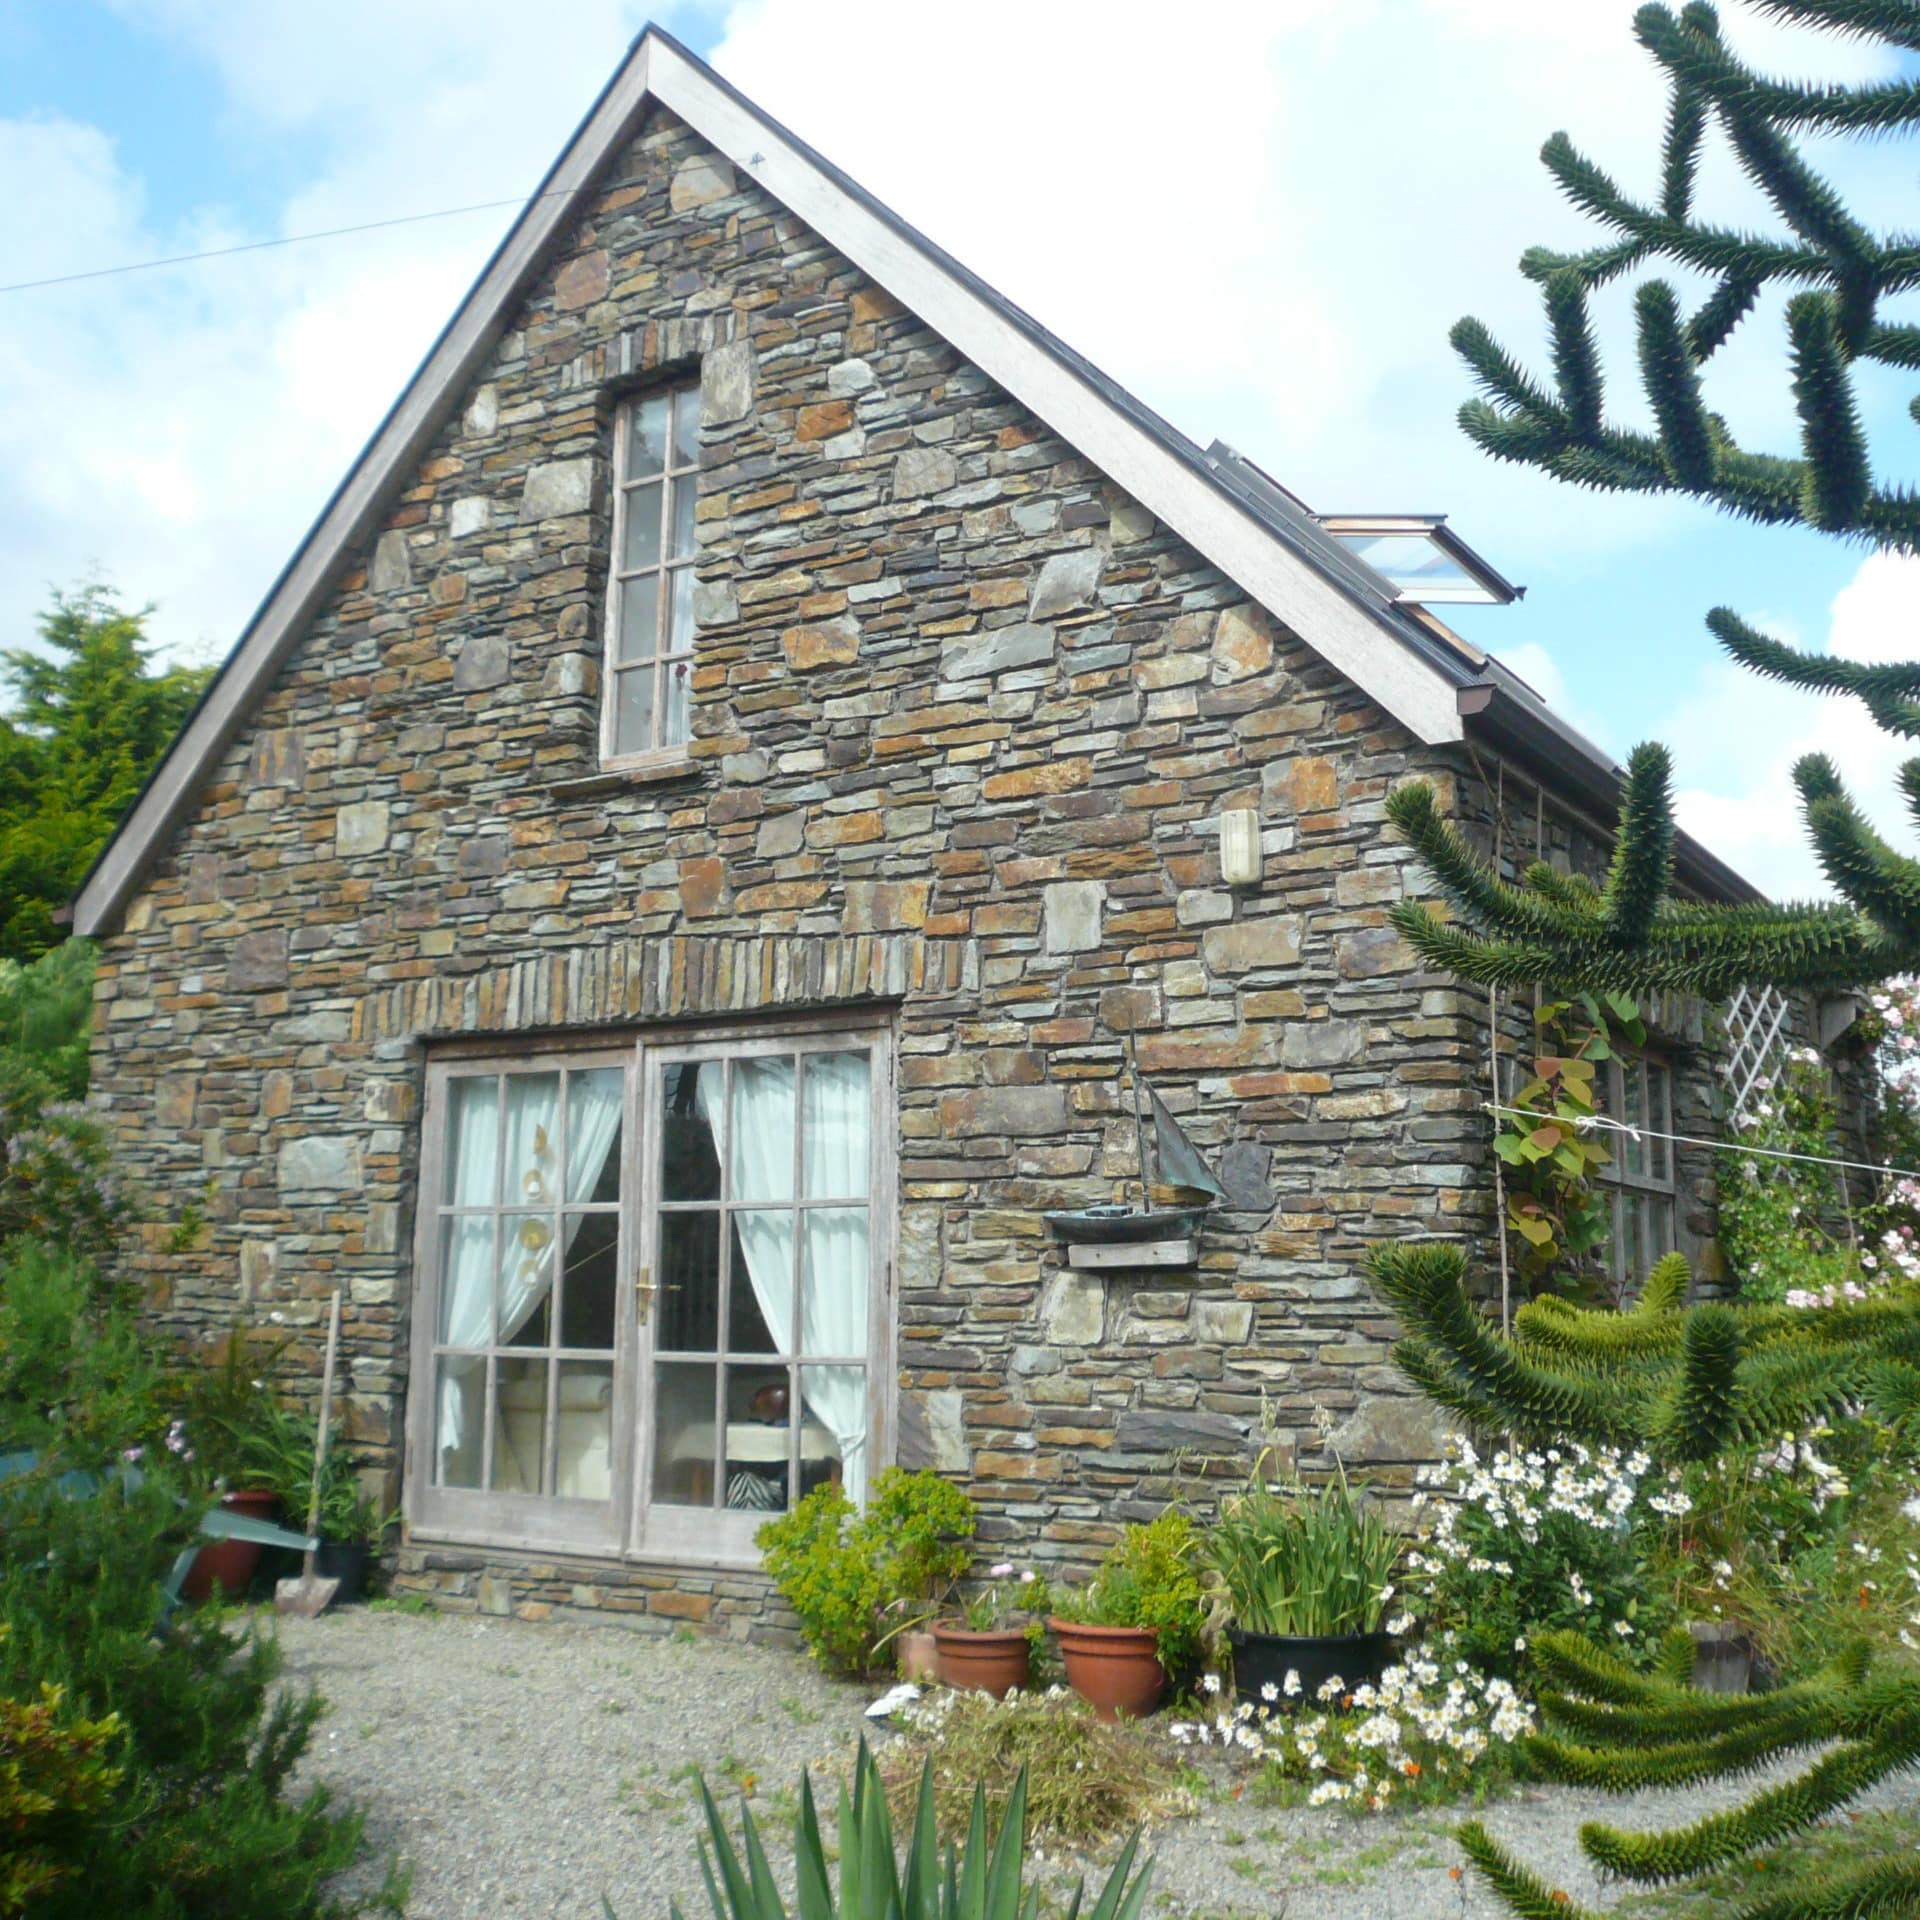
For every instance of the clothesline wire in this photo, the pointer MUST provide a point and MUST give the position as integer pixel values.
(285, 240)
(1586, 1121)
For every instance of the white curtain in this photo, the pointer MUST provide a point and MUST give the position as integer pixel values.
(531, 1177)
(466, 1268)
(833, 1298)
(833, 1302)
(595, 1102)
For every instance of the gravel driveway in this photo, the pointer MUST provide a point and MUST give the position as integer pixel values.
(526, 1771)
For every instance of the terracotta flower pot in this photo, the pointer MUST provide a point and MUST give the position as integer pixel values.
(998, 1663)
(1116, 1670)
(919, 1656)
(230, 1562)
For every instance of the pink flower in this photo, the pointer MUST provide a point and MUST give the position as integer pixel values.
(1001, 1571)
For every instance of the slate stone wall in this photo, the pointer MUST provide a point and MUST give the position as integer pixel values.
(965, 721)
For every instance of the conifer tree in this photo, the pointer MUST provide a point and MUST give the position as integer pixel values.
(89, 719)
(1631, 933)
(1683, 1383)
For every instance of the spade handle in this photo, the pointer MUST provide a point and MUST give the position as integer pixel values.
(326, 1420)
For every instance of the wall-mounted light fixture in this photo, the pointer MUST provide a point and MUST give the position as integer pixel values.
(1240, 847)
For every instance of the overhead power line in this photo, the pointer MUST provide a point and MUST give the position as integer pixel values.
(287, 240)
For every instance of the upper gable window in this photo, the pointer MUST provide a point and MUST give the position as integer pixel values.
(650, 596)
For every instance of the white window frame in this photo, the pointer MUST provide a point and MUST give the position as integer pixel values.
(1641, 1177)
(679, 475)
(632, 1525)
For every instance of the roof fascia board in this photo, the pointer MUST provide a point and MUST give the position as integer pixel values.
(389, 456)
(1368, 652)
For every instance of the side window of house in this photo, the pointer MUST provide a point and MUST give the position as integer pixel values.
(1638, 1093)
(649, 658)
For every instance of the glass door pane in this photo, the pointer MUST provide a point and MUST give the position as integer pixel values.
(524, 1327)
(755, 1366)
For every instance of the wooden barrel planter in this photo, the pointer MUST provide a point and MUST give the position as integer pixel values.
(1116, 1670)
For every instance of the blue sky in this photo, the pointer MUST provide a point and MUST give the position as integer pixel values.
(1264, 225)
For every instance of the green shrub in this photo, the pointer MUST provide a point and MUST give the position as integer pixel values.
(46, 1018)
(1553, 1537)
(857, 1579)
(76, 1373)
(1806, 1545)
(199, 1821)
(1782, 1221)
(1149, 1577)
(56, 1181)
(55, 1777)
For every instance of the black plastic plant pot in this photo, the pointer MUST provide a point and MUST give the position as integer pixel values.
(1261, 1660)
(345, 1561)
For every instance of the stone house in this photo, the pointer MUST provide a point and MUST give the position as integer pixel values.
(653, 906)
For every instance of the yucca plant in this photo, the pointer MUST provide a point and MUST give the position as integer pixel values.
(1302, 1561)
(974, 1884)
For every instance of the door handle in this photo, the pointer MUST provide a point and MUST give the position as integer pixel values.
(644, 1290)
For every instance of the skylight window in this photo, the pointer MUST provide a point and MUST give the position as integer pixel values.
(1420, 559)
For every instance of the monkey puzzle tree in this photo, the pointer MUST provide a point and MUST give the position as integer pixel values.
(1631, 933)
(1683, 1383)
(1687, 1382)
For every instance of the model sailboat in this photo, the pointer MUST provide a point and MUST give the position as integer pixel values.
(1180, 1165)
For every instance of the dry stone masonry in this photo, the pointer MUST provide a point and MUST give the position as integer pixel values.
(965, 719)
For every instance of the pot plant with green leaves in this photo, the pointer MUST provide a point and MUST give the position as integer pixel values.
(1307, 1573)
(1139, 1622)
(227, 1417)
(989, 1645)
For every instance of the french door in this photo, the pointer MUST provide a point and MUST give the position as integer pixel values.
(652, 1307)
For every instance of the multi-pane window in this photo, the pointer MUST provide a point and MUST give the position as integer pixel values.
(1638, 1092)
(762, 1270)
(528, 1263)
(649, 663)
(649, 1308)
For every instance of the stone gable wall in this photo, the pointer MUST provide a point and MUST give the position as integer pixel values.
(965, 721)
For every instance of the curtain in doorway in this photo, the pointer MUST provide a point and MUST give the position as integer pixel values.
(528, 1168)
(833, 1303)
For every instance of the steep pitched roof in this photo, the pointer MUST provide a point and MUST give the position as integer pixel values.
(1279, 555)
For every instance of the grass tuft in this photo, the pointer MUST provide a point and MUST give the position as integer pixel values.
(1086, 1781)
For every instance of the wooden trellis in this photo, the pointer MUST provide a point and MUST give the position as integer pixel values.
(1756, 1024)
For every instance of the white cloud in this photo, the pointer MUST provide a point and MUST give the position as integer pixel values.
(1542, 672)
(1263, 219)
(181, 429)
(1736, 737)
